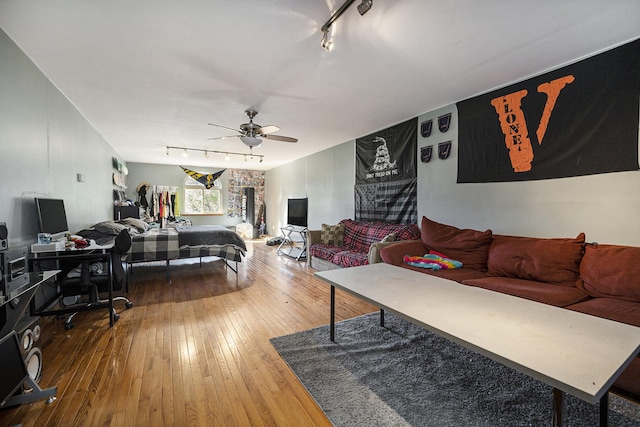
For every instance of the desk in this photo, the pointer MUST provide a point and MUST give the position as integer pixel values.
(533, 338)
(92, 253)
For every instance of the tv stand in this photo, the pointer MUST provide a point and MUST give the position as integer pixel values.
(292, 235)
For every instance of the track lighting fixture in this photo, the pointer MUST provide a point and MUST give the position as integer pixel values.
(327, 40)
(364, 6)
(227, 154)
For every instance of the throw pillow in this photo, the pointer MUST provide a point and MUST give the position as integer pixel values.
(611, 271)
(332, 234)
(555, 261)
(391, 237)
(470, 247)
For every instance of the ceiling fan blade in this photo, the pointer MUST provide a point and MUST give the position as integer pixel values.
(224, 127)
(281, 138)
(268, 129)
(225, 137)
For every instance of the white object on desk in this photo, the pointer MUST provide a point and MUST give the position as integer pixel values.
(54, 246)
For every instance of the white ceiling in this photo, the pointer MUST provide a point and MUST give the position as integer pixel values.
(152, 73)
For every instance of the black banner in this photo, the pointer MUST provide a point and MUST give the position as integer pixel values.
(581, 119)
(387, 155)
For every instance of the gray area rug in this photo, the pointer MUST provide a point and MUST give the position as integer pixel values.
(404, 375)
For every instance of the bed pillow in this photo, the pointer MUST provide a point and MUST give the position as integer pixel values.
(470, 247)
(332, 235)
(138, 224)
(110, 228)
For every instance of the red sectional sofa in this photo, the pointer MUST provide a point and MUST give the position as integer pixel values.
(600, 280)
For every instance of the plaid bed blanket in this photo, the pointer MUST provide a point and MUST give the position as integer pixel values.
(160, 244)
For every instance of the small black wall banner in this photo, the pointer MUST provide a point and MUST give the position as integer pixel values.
(581, 119)
(387, 155)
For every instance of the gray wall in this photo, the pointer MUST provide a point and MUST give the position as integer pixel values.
(326, 178)
(606, 207)
(44, 143)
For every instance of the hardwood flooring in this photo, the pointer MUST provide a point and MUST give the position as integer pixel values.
(191, 352)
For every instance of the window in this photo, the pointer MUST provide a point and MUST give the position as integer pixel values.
(199, 200)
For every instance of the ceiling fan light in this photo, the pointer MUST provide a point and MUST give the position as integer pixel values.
(251, 141)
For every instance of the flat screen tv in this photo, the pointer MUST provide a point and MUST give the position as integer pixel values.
(14, 370)
(297, 212)
(52, 218)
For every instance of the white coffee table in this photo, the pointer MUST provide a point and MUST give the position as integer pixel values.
(570, 351)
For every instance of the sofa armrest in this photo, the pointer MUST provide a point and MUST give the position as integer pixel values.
(395, 252)
(313, 237)
(375, 248)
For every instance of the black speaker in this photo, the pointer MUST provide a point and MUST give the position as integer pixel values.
(29, 333)
(4, 244)
(249, 192)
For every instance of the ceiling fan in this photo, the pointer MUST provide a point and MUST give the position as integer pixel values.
(251, 133)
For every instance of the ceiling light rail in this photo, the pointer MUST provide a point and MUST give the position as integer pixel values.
(327, 41)
(227, 154)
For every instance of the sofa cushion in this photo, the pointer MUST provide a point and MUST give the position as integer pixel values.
(332, 234)
(629, 380)
(350, 259)
(394, 253)
(554, 261)
(358, 236)
(457, 274)
(610, 308)
(326, 252)
(470, 247)
(611, 271)
(559, 296)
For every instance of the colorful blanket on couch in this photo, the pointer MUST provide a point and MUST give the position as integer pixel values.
(433, 261)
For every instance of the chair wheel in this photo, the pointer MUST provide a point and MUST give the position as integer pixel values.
(68, 326)
(128, 304)
(116, 317)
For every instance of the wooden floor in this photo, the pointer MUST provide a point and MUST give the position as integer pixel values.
(191, 352)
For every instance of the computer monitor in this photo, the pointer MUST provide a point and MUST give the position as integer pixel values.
(14, 370)
(52, 217)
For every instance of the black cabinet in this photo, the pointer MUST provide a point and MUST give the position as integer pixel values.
(121, 212)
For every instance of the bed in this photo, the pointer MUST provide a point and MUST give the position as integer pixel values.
(166, 244)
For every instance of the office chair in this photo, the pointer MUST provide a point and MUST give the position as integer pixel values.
(94, 280)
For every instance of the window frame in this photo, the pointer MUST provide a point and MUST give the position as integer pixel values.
(191, 185)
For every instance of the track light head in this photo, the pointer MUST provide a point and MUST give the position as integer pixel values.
(364, 6)
(326, 42)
